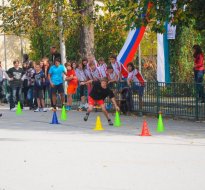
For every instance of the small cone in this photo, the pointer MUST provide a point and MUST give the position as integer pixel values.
(160, 124)
(18, 110)
(117, 122)
(63, 114)
(145, 130)
(98, 126)
(55, 118)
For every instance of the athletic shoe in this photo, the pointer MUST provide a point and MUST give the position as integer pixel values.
(13, 109)
(110, 122)
(37, 110)
(44, 110)
(86, 117)
(68, 108)
(0, 114)
(85, 106)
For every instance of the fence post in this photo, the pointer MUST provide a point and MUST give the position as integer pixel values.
(197, 102)
(158, 97)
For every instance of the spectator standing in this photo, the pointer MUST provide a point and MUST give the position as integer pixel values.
(15, 85)
(199, 71)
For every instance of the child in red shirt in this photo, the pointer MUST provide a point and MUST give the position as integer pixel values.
(72, 84)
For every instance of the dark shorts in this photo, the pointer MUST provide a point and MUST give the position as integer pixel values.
(82, 90)
(38, 93)
(58, 89)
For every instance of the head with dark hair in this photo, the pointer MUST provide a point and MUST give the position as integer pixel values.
(113, 59)
(197, 50)
(104, 82)
(74, 65)
(57, 60)
(109, 67)
(130, 67)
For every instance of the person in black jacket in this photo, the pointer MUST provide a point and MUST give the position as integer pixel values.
(15, 85)
(54, 55)
(97, 95)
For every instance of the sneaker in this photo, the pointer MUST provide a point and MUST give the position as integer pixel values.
(13, 109)
(110, 122)
(67, 108)
(44, 110)
(37, 110)
(0, 114)
(85, 106)
(86, 117)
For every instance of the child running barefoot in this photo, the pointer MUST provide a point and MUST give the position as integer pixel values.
(97, 95)
(39, 77)
(72, 84)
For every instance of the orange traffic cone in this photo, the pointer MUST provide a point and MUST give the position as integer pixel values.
(145, 130)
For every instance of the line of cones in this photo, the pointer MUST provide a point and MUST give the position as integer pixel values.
(99, 127)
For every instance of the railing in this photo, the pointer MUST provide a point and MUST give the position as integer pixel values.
(173, 99)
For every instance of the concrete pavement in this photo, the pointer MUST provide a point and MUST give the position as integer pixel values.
(71, 156)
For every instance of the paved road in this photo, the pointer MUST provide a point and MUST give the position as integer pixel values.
(35, 155)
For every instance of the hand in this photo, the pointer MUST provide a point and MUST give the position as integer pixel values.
(82, 83)
(52, 85)
(10, 79)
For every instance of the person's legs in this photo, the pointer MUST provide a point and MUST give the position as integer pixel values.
(18, 96)
(90, 108)
(105, 111)
(91, 103)
(12, 97)
(200, 75)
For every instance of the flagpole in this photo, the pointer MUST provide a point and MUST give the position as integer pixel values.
(5, 56)
(140, 60)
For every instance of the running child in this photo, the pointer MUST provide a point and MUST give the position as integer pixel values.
(72, 84)
(97, 95)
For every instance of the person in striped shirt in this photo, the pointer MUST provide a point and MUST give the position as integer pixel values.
(136, 79)
(102, 66)
(80, 73)
(117, 67)
(95, 71)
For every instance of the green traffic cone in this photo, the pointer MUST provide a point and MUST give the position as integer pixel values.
(19, 110)
(63, 114)
(160, 124)
(117, 122)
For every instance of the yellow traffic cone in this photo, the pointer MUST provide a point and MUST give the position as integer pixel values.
(98, 126)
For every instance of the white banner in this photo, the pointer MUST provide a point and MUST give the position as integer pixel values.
(171, 32)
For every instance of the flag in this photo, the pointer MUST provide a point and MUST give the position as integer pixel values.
(163, 67)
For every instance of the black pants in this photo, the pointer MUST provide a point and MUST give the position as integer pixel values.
(15, 96)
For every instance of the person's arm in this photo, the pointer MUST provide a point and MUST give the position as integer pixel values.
(7, 76)
(49, 78)
(87, 82)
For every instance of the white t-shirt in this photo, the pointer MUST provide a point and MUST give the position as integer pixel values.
(136, 77)
(80, 75)
(117, 68)
(103, 69)
(96, 74)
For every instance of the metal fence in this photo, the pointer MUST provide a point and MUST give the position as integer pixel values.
(173, 99)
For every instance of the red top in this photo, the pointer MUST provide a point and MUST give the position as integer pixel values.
(199, 62)
(72, 73)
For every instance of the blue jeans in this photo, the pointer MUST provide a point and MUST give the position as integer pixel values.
(15, 96)
(198, 77)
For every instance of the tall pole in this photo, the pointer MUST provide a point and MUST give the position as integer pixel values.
(62, 40)
(140, 59)
(5, 53)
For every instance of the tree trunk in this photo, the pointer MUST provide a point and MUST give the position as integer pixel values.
(87, 29)
(61, 36)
